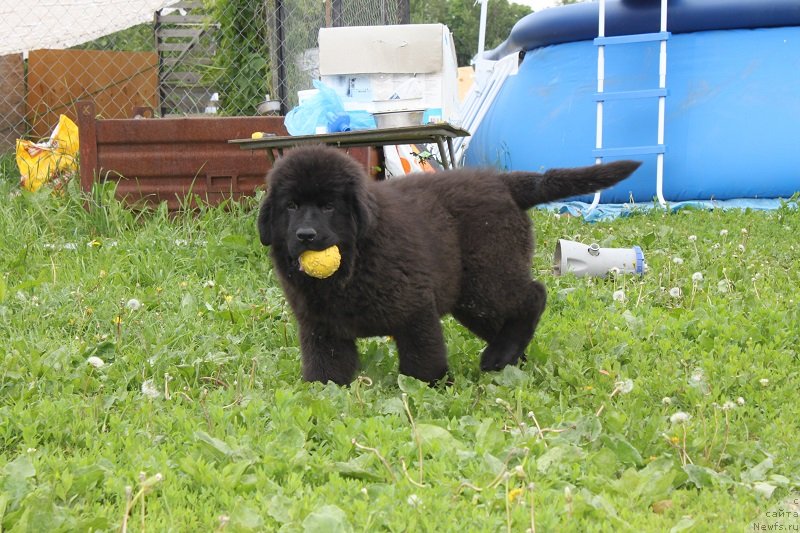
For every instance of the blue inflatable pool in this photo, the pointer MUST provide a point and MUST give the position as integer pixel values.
(732, 122)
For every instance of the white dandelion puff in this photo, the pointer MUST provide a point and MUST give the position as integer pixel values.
(150, 390)
(692, 238)
(414, 500)
(625, 386)
(618, 296)
(741, 247)
(728, 406)
(723, 232)
(764, 382)
(133, 304)
(677, 260)
(95, 361)
(666, 400)
(697, 276)
(209, 284)
(679, 418)
(675, 292)
(740, 400)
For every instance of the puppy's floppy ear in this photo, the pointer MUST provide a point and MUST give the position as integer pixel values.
(264, 218)
(365, 209)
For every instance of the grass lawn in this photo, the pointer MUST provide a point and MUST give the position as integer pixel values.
(150, 365)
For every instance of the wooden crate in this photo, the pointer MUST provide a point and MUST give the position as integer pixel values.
(179, 160)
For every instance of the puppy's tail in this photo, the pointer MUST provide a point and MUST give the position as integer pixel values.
(532, 188)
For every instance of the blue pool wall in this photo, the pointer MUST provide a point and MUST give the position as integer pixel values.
(732, 113)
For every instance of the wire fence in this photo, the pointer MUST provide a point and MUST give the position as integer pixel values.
(224, 57)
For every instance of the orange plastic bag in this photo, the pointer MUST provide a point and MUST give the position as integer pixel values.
(39, 163)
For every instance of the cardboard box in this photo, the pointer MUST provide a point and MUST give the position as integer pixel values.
(392, 68)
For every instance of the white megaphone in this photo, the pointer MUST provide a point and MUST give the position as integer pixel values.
(591, 260)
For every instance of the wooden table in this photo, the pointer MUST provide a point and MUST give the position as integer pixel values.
(429, 133)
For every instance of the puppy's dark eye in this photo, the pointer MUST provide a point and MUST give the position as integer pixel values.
(291, 206)
(327, 208)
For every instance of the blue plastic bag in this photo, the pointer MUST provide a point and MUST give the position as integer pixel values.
(325, 110)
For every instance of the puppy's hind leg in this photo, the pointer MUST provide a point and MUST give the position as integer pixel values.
(327, 358)
(421, 348)
(509, 344)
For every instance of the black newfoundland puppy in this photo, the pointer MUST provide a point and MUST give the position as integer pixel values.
(412, 250)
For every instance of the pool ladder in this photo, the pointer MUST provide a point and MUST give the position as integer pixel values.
(661, 93)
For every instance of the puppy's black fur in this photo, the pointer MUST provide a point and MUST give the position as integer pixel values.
(413, 249)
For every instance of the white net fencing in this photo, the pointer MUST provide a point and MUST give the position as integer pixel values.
(225, 57)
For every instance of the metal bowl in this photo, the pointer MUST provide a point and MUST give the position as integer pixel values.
(398, 119)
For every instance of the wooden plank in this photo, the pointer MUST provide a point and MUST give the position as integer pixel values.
(167, 33)
(183, 19)
(189, 47)
(174, 47)
(188, 61)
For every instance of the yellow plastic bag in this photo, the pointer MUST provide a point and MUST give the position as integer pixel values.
(39, 163)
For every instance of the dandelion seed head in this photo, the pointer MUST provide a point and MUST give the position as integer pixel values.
(728, 406)
(133, 304)
(675, 292)
(666, 400)
(764, 382)
(414, 501)
(744, 231)
(619, 296)
(723, 232)
(741, 247)
(692, 238)
(679, 418)
(697, 276)
(149, 389)
(740, 400)
(677, 260)
(209, 284)
(625, 386)
(95, 361)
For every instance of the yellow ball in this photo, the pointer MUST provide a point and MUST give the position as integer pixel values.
(257, 135)
(321, 264)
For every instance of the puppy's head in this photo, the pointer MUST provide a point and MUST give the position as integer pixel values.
(317, 198)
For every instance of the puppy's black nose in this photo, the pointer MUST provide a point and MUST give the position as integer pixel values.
(306, 234)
